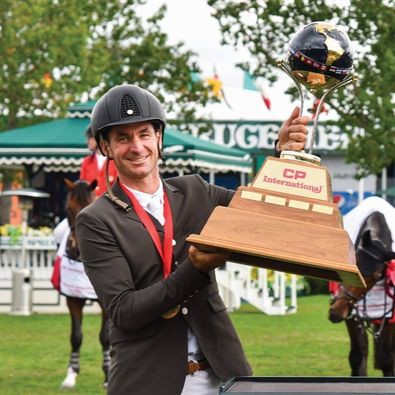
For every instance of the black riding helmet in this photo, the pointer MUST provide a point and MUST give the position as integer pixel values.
(125, 104)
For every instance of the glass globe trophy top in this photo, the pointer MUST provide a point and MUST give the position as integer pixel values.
(320, 60)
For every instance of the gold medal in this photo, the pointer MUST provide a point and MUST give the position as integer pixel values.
(171, 313)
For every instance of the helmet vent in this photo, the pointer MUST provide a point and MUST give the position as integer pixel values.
(129, 107)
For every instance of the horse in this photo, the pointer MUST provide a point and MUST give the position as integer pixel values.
(373, 251)
(77, 287)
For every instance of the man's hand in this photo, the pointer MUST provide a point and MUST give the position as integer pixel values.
(206, 261)
(293, 132)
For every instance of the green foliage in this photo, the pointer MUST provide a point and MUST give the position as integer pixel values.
(38, 37)
(366, 112)
(13, 232)
(54, 52)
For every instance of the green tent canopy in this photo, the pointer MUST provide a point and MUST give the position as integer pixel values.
(182, 150)
(60, 145)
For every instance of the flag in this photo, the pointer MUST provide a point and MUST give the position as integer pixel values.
(217, 90)
(216, 85)
(314, 108)
(250, 84)
(47, 80)
(266, 99)
(195, 77)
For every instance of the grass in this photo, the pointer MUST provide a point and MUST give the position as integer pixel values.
(34, 350)
(301, 344)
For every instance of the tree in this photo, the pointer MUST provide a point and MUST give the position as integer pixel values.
(367, 111)
(57, 52)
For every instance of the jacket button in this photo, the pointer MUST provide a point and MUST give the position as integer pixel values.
(184, 311)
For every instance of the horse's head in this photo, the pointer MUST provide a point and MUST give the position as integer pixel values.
(80, 194)
(372, 252)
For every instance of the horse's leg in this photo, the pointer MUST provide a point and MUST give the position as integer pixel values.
(359, 348)
(384, 350)
(75, 306)
(104, 338)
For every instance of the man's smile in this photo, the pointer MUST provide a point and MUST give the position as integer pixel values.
(140, 159)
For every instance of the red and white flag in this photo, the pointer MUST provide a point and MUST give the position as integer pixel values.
(251, 84)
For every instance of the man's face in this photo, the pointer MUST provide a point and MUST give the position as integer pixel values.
(134, 148)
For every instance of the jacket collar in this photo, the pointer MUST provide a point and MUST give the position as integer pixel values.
(173, 193)
(176, 197)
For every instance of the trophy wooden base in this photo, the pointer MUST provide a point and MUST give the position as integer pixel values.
(273, 229)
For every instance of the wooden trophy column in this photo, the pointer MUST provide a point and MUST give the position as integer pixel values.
(285, 221)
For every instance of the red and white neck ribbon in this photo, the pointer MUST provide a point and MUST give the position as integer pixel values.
(166, 250)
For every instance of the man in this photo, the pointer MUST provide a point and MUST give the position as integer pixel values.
(170, 332)
(93, 166)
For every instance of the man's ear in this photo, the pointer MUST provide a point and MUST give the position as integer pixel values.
(160, 140)
(104, 147)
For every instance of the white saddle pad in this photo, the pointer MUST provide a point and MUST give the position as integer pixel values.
(73, 279)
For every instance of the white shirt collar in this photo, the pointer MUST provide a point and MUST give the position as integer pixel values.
(144, 198)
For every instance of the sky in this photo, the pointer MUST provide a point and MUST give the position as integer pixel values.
(191, 22)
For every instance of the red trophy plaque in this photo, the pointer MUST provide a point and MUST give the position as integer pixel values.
(286, 220)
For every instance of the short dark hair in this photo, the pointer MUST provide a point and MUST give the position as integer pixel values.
(157, 126)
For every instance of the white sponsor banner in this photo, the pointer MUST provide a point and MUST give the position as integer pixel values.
(250, 135)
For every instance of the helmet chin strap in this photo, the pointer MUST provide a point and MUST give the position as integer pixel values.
(160, 142)
(160, 151)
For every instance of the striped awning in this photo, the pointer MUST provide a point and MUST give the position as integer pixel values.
(60, 145)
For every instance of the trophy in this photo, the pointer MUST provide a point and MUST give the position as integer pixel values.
(286, 219)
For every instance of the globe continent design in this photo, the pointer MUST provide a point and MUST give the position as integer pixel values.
(320, 55)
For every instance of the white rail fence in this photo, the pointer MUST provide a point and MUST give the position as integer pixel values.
(240, 283)
(237, 283)
(36, 254)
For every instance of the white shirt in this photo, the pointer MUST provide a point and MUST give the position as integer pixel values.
(101, 159)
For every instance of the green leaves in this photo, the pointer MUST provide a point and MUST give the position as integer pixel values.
(56, 52)
(366, 111)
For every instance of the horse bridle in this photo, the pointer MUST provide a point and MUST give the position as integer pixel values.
(351, 299)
